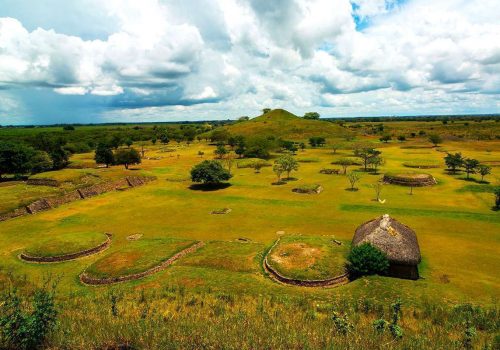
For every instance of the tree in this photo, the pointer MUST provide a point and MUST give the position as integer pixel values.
(210, 172)
(317, 141)
(353, 177)
(470, 166)
(220, 135)
(496, 192)
(335, 147)
(401, 138)
(164, 138)
(127, 157)
(435, 139)
(288, 163)
(129, 142)
(365, 259)
(15, 158)
(220, 151)
(278, 170)
(483, 171)
(116, 141)
(366, 153)
(311, 115)
(386, 138)
(104, 154)
(375, 162)
(201, 154)
(345, 163)
(266, 110)
(153, 140)
(68, 128)
(229, 161)
(40, 162)
(454, 161)
(378, 190)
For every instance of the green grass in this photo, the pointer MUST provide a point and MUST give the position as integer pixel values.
(422, 164)
(308, 257)
(61, 244)
(137, 256)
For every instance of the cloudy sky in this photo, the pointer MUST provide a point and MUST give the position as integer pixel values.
(152, 60)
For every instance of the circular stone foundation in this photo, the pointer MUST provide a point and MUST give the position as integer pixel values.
(410, 179)
(66, 257)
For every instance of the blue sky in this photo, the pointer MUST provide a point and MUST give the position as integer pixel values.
(151, 60)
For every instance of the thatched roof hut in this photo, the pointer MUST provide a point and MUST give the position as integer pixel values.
(397, 241)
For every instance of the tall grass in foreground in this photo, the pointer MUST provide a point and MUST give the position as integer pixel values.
(173, 318)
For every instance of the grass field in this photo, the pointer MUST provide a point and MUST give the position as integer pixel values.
(457, 231)
(71, 242)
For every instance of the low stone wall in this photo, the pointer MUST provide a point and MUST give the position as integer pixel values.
(330, 171)
(87, 192)
(85, 278)
(37, 206)
(318, 190)
(334, 281)
(43, 182)
(14, 214)
(67, 257)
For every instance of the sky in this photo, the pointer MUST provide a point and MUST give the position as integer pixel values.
(94, 61)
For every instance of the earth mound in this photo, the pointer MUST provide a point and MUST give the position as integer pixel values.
(410, 179)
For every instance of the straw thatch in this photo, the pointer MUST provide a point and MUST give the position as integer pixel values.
(397, 241)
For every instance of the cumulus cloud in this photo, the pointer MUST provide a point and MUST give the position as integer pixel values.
(231, 57)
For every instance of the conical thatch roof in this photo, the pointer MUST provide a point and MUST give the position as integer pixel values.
(397, 241)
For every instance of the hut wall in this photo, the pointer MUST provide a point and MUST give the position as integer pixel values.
(403, 271)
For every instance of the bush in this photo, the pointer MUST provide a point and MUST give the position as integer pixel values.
(22, 329)
(366, 259)
(209, 172)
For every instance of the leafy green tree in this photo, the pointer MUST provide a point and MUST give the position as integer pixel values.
(401, 138)
(317, 141)
(278, 170)
(496, 192)
(311, 115)
(484, 170)
(336, 146)
(129, 142)
(470, 166)
(209, 172)
(127, 157)
(116, 141)
(365, 259)
(353, 178)
(345, 163)
(386, 138)
(220, 151)
(164, 138)
(375, 162)
(40, 162)
(104, 154)
(15, 158)
(220, 135)
(454, 161)
(153, 140)
(435, 139)
(266, 110)
(288, 163)
(366, 154)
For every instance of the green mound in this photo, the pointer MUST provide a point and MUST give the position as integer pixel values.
(67, 243)
(137, 256)
(283, 124)
(308, 257)
(422, 164)
(410, 179)
(231, 256)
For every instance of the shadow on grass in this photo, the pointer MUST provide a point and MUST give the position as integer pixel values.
(278, 183)
(352, 189)
(290, 179)
(209, 187)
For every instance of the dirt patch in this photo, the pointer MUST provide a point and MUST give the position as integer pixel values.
(221, 211)
(134, 237)
(67, 257)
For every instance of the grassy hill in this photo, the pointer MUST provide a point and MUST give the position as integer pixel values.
(281, 123)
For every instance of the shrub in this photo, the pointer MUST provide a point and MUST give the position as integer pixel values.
(366, 259)
(127, 157)
(209, 172)
(22, 329)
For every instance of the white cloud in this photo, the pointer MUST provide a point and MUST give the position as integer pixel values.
(245, 54)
